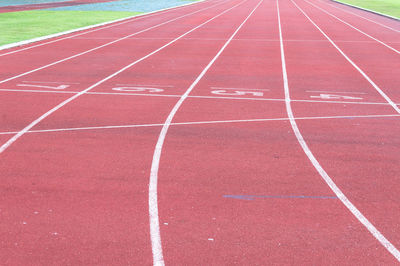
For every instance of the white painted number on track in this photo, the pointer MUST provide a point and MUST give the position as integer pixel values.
(53, 87)
(138, 89)
(336, 95)
(325, 96)
(237, 92)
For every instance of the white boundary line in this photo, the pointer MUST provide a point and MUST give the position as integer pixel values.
(193, 96)
(123, 20)
(395, 107)
(198, 123)
(106, 44)
(348, 24)
(353, 209)
(370, 20)
(153, 200)
(368, 10)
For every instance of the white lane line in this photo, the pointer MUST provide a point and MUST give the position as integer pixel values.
(105, 45)
(196, 96)
(347, 11)
(199, 123)
(395, 107)
(351, 26)
(113, 24)
(371, 228)
(153, 201)
(27, 128)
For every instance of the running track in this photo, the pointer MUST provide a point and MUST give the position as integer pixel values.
(225, 132)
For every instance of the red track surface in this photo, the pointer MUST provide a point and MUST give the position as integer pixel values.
(229, 191)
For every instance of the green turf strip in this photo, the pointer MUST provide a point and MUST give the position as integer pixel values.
(388, 7)
(24, 25)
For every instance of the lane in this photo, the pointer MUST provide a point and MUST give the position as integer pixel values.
(305, 109)
(95, 183)
(71, 199)
(244, 193)
(16, 113)
(340, 146)
(361, 154)
(379, 63)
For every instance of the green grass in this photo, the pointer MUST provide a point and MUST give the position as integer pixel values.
(24, 25)
(388, 7)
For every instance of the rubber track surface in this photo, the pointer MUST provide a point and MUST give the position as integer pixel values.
(234, 185)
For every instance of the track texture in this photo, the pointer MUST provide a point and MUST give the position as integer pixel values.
(167, 139)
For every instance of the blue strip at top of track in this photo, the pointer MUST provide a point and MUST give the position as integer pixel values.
(126, 5)
(27, 2)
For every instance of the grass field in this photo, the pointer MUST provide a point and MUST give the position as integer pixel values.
(18, 26)
(389, 7)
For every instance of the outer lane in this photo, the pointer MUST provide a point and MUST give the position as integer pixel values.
(353, 152)
(380, 63)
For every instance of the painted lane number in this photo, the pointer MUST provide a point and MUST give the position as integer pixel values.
(336, 95)
(236, 92)
(138, 89)
(53, 87)
(325, 96)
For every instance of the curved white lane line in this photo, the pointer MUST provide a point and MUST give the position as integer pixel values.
(351, 26)
(106, 44)
(28, 127)
(106, 24)
(153, 200)
(395, 107)
(353, 209)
